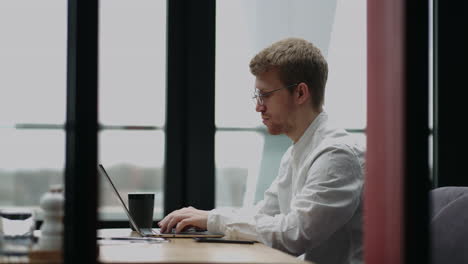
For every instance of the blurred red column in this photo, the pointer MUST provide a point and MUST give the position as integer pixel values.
(384, 190)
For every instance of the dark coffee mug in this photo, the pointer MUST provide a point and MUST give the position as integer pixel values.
(141, 206)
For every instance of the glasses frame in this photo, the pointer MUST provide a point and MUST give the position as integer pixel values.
(258, 97)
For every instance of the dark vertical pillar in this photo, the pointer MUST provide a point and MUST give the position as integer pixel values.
(190, 171)
(81, 133)
(176, 117)
(201, 91)
(416, 131)
(451, 54)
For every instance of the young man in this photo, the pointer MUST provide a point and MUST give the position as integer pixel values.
(314, 206)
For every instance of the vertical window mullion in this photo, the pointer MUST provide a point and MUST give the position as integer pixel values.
(81, 134)
(450, 55)
(174, 196)
(190, 105)
(200, 174)
(416, 132)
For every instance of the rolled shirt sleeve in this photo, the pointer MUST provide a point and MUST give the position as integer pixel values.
(240, 223)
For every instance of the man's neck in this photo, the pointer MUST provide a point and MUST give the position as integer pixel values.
(302, 122)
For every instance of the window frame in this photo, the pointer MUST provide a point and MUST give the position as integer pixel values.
(190, 176)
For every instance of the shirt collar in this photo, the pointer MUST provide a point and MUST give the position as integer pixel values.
(307, 137)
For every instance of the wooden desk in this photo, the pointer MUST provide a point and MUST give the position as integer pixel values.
(186, 250)
(180, 250)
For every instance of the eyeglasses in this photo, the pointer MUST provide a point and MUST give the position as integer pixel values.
(259, 98)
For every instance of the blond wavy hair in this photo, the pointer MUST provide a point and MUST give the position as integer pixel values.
(297, 60)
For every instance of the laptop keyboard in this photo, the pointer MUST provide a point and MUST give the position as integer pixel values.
(150, 231)
(147, 231)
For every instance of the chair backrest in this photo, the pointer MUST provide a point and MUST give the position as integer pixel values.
(449, 225)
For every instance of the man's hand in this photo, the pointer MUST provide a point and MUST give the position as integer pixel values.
(185, 217)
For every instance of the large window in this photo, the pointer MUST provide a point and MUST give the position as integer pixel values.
(33, 59)
(33, 49)
(132, 100)
(132, 92)
(247, 157)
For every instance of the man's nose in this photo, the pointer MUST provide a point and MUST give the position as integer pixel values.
(260, 108)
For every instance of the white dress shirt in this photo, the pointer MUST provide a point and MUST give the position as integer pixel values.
(314, 206)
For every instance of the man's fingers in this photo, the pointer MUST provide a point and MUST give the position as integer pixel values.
(182, 224)
(175, 220)
(163, 224)
(170, 224)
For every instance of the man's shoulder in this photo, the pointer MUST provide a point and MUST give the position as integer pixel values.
(341, 139)
(339, 143)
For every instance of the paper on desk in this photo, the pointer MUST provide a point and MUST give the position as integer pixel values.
(126, 240)
(112, 242)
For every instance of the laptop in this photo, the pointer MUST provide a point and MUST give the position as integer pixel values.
(154, 232)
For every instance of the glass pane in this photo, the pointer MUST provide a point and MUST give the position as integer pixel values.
(275, 147)
(30, 162)
(135, 162)
(132, 62)
(238, 156)
(345, 94)
(33, 50)
(245, 27)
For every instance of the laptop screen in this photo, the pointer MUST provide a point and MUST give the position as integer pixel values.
(132, 222)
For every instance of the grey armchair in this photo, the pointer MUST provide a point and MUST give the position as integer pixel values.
(449, 225)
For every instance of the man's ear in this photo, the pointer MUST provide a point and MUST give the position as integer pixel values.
(302, 93)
